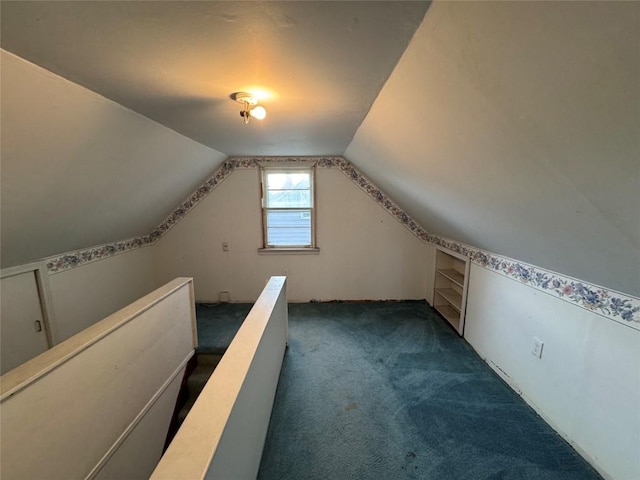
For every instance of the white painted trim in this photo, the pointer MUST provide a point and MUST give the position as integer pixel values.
(223, 436)
(19, 378)
(464, 286)
(134, 423)
(289, 251)
(283, 167)
(20, 269)
(130, 368)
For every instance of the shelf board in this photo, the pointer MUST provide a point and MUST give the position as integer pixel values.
(450, 314)
(453, 275)
(451, 296)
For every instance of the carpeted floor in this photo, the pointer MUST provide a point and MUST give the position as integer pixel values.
(389, 391)
(218, 323)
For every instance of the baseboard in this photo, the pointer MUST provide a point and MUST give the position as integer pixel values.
(514, 386)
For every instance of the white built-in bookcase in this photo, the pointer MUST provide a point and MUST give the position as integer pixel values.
(450, 286)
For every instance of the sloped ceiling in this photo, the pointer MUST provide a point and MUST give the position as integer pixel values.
(79, 170)
(514, 127)
(86, 166)
(319, 65)
(511, 126)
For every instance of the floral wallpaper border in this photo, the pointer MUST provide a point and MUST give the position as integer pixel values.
(610, 304)
(70, 260)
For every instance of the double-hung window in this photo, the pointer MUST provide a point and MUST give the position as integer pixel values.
(288, 214)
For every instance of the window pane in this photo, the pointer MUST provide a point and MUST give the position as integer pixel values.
(291, 228)
(288, 198)
(288, 181)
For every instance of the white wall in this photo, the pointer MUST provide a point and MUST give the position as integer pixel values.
(84, 295)
(81, 405)
(587, 383)
(364, 252)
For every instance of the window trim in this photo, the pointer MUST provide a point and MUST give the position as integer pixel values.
(293, 249)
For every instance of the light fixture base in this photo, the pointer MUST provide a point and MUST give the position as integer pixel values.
(244, 97)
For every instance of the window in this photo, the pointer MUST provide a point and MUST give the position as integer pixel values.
(288, 208)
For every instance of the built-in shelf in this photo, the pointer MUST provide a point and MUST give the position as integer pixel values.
(451, 296)
(450, 287)
(453, 275)
(450, 314)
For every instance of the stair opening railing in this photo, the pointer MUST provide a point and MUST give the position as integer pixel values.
(98, 405)
(223, 435)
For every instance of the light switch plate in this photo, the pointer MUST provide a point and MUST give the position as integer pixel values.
(536, 349)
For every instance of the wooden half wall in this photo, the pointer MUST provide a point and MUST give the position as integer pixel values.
(98, 405)
(223, 436)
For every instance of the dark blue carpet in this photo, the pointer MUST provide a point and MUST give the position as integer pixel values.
(218, 323)
(389, 391)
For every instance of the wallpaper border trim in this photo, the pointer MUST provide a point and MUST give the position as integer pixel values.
(616, 306)
(59, 263)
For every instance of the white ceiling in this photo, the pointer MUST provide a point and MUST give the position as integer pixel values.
(321, 64)
(511, 126)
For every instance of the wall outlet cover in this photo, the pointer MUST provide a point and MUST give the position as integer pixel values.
(536, 349)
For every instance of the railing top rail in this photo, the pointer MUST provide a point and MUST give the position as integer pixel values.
(36, 368)
(193, 449)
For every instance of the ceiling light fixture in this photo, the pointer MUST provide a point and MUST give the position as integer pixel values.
(250, 107)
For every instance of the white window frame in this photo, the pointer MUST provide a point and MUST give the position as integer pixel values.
(266, 248)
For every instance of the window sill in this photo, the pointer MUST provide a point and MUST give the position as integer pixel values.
(289, 251)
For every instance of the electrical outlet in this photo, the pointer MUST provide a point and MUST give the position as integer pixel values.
(224, 297)
(536, 349)
(225, 246)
